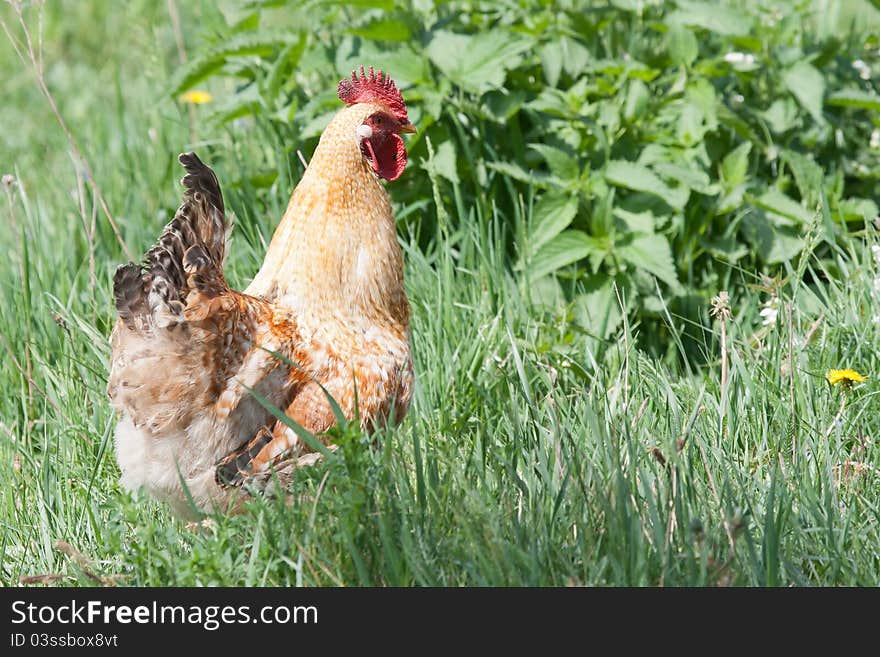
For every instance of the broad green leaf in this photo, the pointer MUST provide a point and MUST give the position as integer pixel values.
(561, 164)
(807, 174)
(597, 310)
(855, 98)
(637, 99)
(780, 205)
(387, 5)
(564, 249)
(502, 106)
(552, 214)
(575, 56)
(653, 254)
(546, 291)
(638, 222)
(728, 248)
(630, 5)
(773, 244)
(518, 173)
(551, 62)
(445, 161)
(717, 17)
(690, 125)
(384, 29)
(641, 179)
(808, 86)
(701, 94)
(477, 62)
(246, 23)
(858, 209)
(781, 116)
(735, 165)
(682, 45)
(401, 62)
(693, 178)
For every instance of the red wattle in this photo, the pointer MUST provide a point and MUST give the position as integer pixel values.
(387, 155)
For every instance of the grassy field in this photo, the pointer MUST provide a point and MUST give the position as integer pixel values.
(537, 451)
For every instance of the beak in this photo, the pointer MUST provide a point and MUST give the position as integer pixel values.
(408, 128)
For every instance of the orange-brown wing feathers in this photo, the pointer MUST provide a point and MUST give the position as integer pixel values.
(155, 292)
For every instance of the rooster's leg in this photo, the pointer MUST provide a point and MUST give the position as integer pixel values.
(234, 468)
(268, 449)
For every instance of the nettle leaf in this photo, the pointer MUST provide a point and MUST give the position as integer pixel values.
(637, 99)
(516, 172)
(501, 106)
(854, 98)
(551, 62)
(653, 254)
(402, 62)
(782, 115)
(694, 178)
(857, 209)
(774, 244)
(387, 5)
(783, 208)
(598, 309)
(690, 125)
(384, 29)
(562, 165)
(552, 214)
(713, 16)
(575, 56)
(701, 94)
(808, 86)
(807, 174)
(639, 222)
(564, 249)
(477, 62)
(735, 165)
(681, 44)
(641, 179)
(444, 162)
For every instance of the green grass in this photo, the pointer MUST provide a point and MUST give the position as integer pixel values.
(535, 452)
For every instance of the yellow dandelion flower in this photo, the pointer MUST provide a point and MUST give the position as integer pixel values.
(845, 377)
(197, 97)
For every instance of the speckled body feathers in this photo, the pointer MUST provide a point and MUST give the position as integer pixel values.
(186, 348)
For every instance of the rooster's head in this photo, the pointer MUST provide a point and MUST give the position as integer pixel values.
(379, 134)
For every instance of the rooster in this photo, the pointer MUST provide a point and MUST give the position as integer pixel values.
(326, 315)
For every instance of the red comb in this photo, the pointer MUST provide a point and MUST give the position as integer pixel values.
(373, 88)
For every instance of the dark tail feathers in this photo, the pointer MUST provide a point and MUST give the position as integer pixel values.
(158, 288)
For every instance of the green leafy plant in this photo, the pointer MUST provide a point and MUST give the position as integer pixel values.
(674, 142)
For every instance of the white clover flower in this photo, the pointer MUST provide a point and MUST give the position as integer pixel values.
(863, 69)
(8, 180)
(875, 138)
(770, 311)
(739, 58)
(875, 251)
